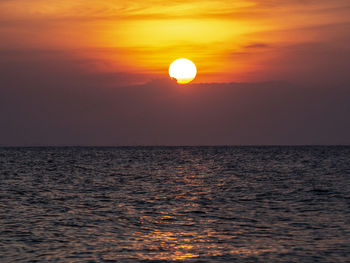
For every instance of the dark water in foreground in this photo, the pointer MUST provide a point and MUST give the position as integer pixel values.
(162, 204)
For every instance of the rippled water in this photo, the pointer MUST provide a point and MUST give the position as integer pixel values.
(163, 204)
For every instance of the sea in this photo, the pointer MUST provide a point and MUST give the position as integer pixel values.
(175, 204)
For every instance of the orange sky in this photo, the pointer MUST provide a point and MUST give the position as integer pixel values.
(227, 40)
(95, 72)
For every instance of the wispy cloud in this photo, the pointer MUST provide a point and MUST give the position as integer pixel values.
(228, 39)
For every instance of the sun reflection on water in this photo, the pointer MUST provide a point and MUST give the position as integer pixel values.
(158, 245)
(192, 227)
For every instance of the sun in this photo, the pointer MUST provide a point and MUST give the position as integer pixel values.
(183, 70)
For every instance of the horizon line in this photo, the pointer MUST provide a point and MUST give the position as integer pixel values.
(174, 146)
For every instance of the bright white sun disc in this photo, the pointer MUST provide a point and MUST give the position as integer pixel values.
(183, 70)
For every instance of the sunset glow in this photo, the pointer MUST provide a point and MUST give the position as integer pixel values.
(263, 70)
(229, 40)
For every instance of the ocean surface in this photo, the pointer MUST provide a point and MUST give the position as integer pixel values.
(175, 204)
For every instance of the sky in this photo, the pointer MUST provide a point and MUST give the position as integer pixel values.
(96, 72)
